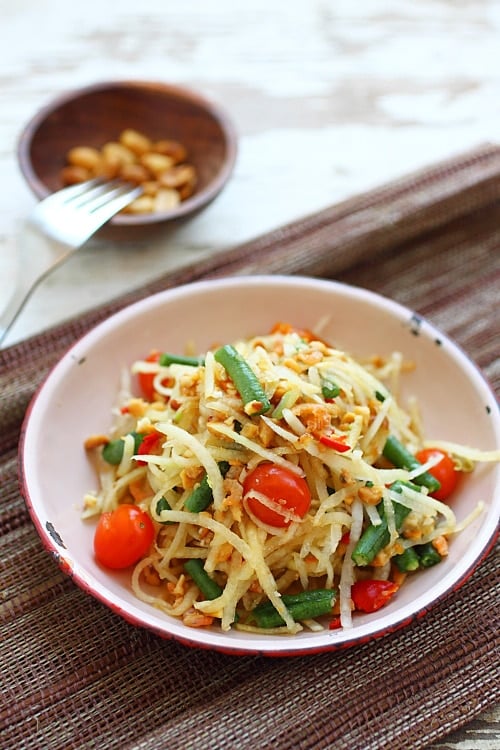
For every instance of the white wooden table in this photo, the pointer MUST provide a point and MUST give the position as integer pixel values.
(329, 98)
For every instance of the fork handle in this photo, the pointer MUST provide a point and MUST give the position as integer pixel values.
(37, 257)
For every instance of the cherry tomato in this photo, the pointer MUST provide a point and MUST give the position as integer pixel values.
(444, 471)
(281, 486)
(370, 595)
(146, 378)
(123, 536)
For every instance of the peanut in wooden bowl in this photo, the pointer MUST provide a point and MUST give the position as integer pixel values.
(97, 114)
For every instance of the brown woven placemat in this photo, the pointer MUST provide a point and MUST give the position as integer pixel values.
(75, 675)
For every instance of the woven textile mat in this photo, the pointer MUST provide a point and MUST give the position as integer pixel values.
(75, 675)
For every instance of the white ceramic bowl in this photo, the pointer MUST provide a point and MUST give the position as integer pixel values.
(75, 401)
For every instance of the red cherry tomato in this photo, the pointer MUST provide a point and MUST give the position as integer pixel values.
(370, 595)
(146, 378)
(123, 536)
(282, 487)
(444, 471)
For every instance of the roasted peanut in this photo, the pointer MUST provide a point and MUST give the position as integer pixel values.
(156, 163)
(165, 200)
(135, 141)
(143, 205)
(134, 173)
(177, 176)
(72, 175)
(116, 153)
(174, 149)
(84, 156)
(160, 168)
(370, 495)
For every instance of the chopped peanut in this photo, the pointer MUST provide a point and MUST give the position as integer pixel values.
(224, 552)
(440, 544)
(370, 495)
(250, 430)
(95, 441)
(191, 476)
(137, 407)
(266, 435)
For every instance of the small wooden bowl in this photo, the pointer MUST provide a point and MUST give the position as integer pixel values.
(98, 113)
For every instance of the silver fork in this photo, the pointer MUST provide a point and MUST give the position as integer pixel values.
(68, 218)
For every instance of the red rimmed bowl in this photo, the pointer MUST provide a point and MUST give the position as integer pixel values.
(77, 397)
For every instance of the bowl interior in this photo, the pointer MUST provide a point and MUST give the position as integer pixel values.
(77, 398)
(98, 114)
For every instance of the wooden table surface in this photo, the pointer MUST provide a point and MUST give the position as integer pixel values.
(329, 98)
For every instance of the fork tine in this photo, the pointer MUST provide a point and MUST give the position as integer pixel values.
(68, 193)
(74, 219)
(109, 204)
(101, 195)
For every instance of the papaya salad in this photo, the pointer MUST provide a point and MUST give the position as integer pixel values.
(274, 484)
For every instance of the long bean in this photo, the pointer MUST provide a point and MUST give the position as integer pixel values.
(428, 555)
(112, 452)
(163, 504)
(208, 587)
(178, 359)
(202, 495)
(397, 454)
(407, 561)
(302, 606)
(376, 537)
(245, 381)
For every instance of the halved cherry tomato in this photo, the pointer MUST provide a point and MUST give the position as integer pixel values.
(282, 487)
(146, 378)
(444, 471)
(123, 536)
(370, 595)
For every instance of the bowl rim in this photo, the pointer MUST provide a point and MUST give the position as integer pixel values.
(263, 646)
(191, 204)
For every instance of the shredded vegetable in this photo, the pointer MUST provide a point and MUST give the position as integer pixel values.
(236, 546)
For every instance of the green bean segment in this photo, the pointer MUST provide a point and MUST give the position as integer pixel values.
(202, 495)
(167, 359)
(163, 504)
(428, 555)
(112, 452)
(208, 587)
(244, 379)
(375, 538)
(407, 561)
(397, 454)
(302, 606)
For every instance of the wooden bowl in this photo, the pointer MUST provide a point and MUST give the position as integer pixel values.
(98, 113)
